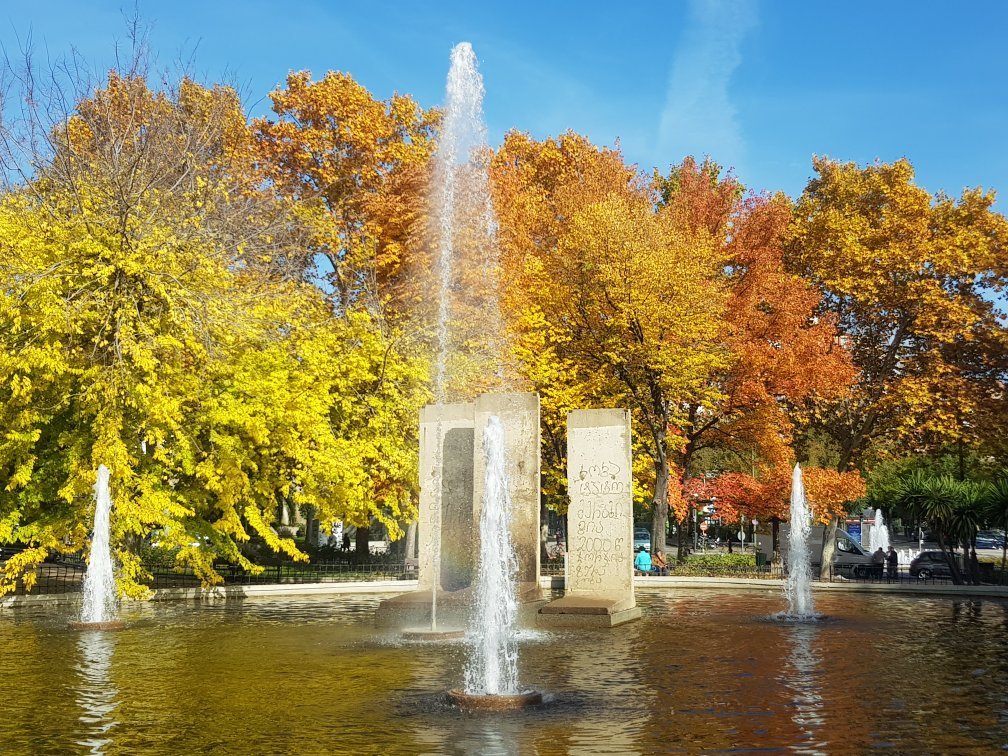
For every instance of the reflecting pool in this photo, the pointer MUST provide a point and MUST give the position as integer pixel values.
(702, 670)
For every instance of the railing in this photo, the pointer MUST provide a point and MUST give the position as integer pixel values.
(901, 574)
(67, 575)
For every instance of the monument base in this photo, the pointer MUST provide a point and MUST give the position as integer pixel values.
(428, 634)
(476, 702)
(587, 611)
(409, 610)
(105, 625)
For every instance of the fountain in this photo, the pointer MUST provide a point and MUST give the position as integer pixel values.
(798, 587)
(878, 538)
(460, 186)
(99, 609)
(491, 675)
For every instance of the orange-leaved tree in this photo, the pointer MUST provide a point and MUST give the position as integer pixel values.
(909, 278)
(780, 352)
(355, 169)
(602, 276)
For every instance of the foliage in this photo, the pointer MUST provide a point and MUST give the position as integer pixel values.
(622, 290)
(147, 327)
(953, 510)
(907, 277)
(354, 170)
(720, 561)
(740, 495)
(780, 354)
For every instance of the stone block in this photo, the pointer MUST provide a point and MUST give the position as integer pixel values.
(446, 483)
(599, 571)
(519, 415)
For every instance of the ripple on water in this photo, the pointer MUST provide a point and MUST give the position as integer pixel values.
(702, 670)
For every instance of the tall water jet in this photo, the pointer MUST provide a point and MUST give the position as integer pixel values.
(464, 230)
(99, 608)
(798, 587)
(491, 675)
(465, 222)
(878, 538)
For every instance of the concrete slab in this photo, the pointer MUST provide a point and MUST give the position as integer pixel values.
(599, 519)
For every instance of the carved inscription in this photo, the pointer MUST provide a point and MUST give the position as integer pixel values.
(600, 526)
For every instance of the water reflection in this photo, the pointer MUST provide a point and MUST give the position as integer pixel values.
(802, 677)
(702, 671)
(95, 694)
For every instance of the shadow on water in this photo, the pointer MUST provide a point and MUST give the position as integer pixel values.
(96, 695)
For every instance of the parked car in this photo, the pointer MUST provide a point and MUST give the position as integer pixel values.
(641, 539)
(990, 539)
(930, 564)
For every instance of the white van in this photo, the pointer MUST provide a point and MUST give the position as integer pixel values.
(850, 558)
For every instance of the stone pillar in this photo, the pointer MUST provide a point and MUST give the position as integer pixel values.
(446, 444)
(519, 414)
(599, 576)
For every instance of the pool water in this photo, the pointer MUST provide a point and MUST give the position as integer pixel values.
(703, 670)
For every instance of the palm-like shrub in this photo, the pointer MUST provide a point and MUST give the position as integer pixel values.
(996, 510)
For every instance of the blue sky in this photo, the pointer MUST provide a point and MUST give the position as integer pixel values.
(759, 85)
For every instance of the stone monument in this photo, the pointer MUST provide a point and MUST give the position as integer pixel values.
(451, 493)
(599, 576)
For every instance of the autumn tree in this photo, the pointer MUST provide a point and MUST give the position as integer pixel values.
(151, 322)
(909, 278)
(354, 169)
(780, 353)
(628, 295)
(768, 497)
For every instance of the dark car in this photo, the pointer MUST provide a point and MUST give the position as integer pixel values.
(987, 539)
(930, 564)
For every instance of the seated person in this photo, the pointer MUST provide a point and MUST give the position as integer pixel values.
(658, 564)
(642, 562)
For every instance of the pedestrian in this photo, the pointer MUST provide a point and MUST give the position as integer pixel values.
(642, 562)
(543, 540)
(658, 564)
(878, 562)
(892, 560)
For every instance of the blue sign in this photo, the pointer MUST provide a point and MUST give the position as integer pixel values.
(854, 530)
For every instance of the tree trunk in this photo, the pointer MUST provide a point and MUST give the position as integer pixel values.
(949, 558)
(659, 511)
(682, 539)
(363, 548)
(828, 550)
(1004, 550)
(411, 532)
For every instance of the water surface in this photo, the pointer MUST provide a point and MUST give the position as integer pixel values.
(703, 670)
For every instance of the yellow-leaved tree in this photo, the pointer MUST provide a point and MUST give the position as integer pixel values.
(151, 322)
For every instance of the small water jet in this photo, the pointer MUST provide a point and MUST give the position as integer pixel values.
(99, 608)
(491, 675)
(798, 586)
(878, 538)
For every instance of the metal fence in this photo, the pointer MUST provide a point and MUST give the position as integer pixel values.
(67, 576)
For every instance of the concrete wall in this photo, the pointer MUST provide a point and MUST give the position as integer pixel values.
(519, 414)
(600, 514)
(446, 484)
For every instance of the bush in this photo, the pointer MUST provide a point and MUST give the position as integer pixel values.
(728, 562)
